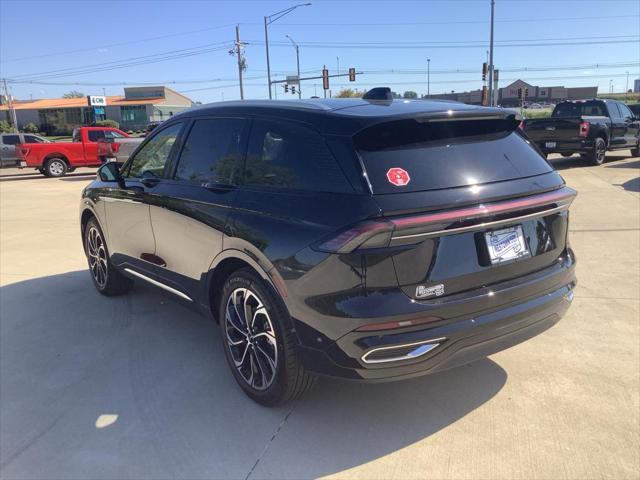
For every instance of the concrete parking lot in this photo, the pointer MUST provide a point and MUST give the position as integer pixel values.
(137, 387)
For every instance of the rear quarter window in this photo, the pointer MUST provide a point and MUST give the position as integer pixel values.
(451, 154)
(288, 155)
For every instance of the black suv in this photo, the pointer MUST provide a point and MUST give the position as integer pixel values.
(366, 239)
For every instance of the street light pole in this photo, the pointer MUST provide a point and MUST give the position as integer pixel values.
(297, 64)
(269, 19)
(491, 57)
(428, 77)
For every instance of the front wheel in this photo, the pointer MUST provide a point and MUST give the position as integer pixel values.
(107, 280)
(596, 156)
(259, 342)
(635, 152)
(55, 167)
(566, 155)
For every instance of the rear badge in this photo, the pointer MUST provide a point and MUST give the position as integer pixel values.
(398, 177)
(422, 291)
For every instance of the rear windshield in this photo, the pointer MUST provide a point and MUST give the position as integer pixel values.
(410, 156)
(577, 109)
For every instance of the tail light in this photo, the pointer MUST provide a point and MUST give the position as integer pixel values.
(22, 152)
(584, 129)
(380, 232)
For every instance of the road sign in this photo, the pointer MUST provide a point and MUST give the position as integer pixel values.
(293, 80)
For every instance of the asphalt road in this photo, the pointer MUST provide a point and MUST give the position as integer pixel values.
(137, 387)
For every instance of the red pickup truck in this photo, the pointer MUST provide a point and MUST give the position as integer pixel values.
(55, 159)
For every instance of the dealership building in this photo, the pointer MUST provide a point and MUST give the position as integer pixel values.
(508, 96)
(133, 111)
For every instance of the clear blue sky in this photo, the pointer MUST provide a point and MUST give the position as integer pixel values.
(377, 37)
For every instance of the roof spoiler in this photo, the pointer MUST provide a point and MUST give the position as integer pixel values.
(378, 93)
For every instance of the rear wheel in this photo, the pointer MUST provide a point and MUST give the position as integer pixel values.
(259, 342)
(596, 156)
(107, 280)
(566, 154)
(635, 152)
(55, 167)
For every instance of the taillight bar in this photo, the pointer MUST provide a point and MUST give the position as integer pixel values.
(393, 231)
(563, 196)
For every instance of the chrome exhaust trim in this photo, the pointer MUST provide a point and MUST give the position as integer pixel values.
(420, 349)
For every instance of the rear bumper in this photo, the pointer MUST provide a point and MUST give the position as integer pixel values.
(567, 146)
(444, 345)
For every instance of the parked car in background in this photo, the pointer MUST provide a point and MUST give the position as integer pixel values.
(372, 240)
(8, 142)
(588, 127)
(55, 159)
(117, 149)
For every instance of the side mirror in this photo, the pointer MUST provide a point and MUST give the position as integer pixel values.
(110, 172)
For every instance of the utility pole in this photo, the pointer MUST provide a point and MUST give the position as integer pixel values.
(338, 64)
(626, 89)
(428, 77)
(12, 111)
(239, 46)
(269, 19)
(493, 2)
(297, 64)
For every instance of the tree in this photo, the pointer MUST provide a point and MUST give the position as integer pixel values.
(30, 128)
(410, 94)
(107, 123)
(5, 127)
(348, 93)
(74, 94)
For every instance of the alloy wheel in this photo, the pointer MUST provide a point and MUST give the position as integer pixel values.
(97, 257)
(251, 338)
(601, 151)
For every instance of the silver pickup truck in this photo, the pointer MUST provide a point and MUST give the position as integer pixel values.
(117, 149)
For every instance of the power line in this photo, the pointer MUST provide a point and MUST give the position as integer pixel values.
(391, 71)
(161, 56)
(452, 22)
(119, 44)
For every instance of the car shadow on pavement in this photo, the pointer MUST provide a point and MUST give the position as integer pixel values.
(69, 358)
(632, 185)
(576, 161)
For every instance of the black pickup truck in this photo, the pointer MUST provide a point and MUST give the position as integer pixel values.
(588, 127)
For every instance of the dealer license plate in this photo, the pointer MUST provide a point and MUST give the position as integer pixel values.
(549, 144)
(506, 244)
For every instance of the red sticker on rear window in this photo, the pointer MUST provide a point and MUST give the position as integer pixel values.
(398, 177)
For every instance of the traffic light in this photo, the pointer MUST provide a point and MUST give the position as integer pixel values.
(352, 74)
(325, 79)
(520, 93)
(293, 89)
(286, 88)
(485, 69)
(526, 93)
(485, 96)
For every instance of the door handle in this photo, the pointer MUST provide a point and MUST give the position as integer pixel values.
(150, 182)
(218, 186)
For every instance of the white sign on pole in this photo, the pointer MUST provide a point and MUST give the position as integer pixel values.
(293, 80)
(97, 101)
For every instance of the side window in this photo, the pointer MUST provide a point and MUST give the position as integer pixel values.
(10, 139)
(150, 160)
(95, 135)
(76, 135)
(212, 150)
(290, 155)
(626, 113)
(614, 112)
(112, 134)
(32, 139)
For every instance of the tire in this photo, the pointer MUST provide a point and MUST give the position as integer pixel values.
(106, 278)
(596, 156)
(261, 353)
(565, 155)
(55, 167)
(635, 152)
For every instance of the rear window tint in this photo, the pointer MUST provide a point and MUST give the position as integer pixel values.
(436, 155)
(577, 109)
(287, 155)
